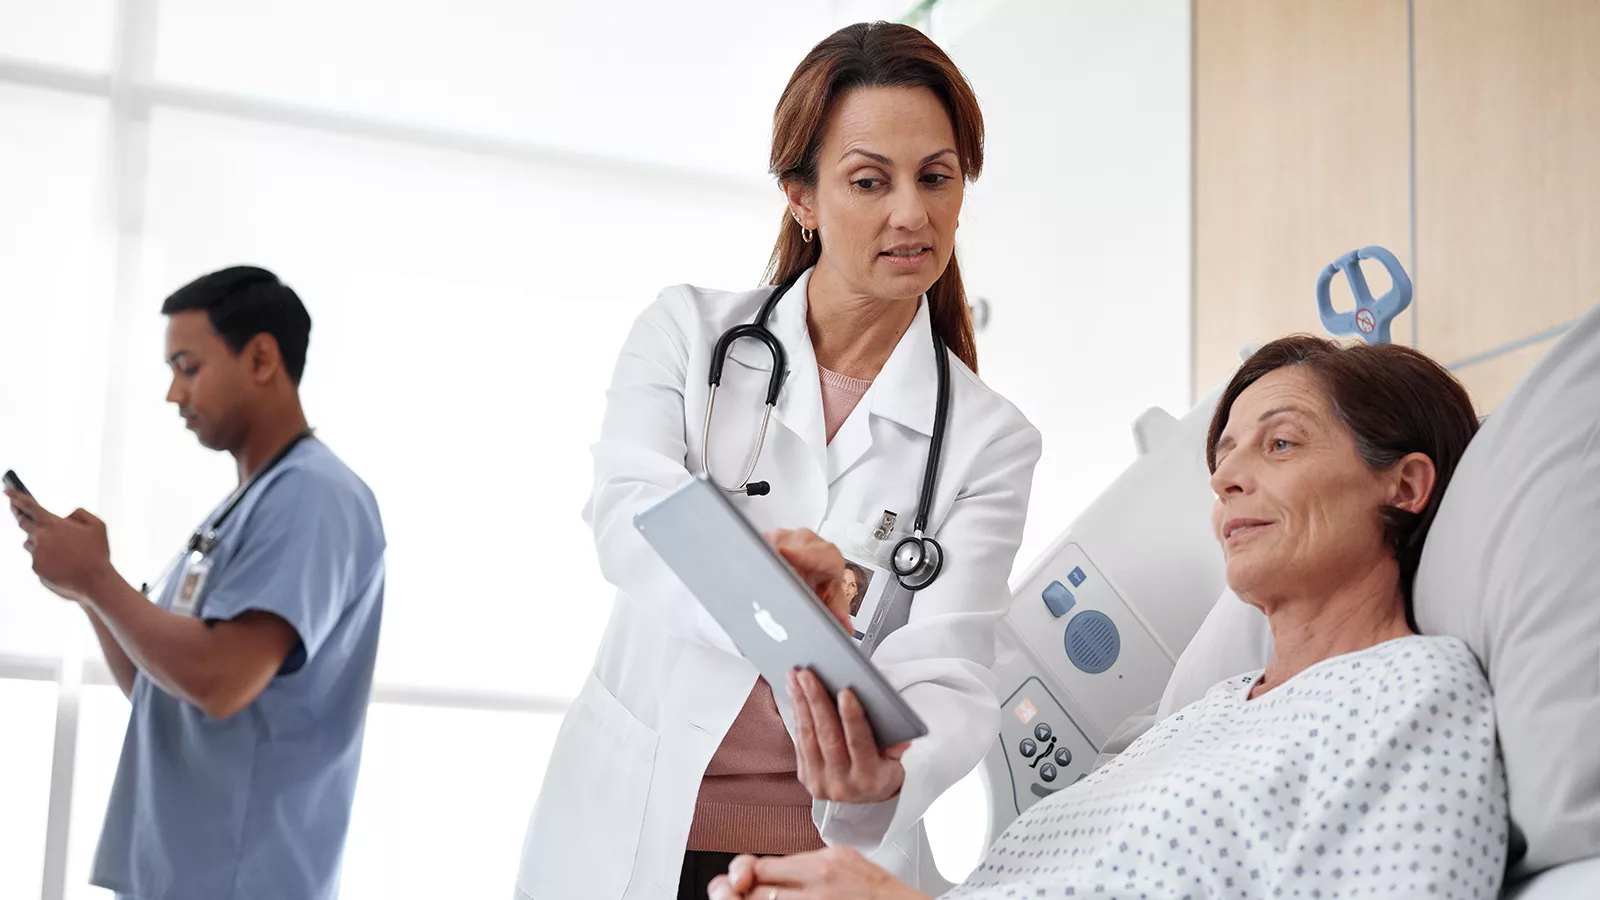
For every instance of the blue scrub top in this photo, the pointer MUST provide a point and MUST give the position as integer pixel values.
(257, 805)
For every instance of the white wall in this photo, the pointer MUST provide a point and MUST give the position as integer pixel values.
(1078, 235)
(1078, 232)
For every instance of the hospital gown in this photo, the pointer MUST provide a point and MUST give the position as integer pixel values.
(1372, 774)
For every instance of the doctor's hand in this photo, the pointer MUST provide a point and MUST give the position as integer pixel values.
(837, 873)
(70, 555)
(836, 753)
(820, 564)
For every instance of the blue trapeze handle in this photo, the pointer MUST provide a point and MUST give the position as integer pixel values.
(1371, 317)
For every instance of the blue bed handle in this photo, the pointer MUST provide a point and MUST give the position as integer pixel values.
(1371, 317)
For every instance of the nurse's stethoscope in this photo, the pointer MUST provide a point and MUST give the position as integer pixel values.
(204, 540)
(917, 559)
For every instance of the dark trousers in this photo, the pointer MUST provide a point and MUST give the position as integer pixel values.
(699, 867)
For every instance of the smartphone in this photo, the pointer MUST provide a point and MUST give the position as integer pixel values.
(13, 482)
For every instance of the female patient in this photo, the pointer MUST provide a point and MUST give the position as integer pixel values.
(1362, 761)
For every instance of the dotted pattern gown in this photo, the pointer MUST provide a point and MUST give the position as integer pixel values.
(1372, 774)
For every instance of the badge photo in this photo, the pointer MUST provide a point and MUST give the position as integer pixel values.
(191, 587)
(865, 584)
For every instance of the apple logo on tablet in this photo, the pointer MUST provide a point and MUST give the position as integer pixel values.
(769, 624)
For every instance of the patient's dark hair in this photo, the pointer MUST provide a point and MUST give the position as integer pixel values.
(244, 301)
(1394, 400)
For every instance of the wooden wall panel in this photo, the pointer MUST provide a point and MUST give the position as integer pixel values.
(1301, 153)
(1508, 176)
(1491, 380)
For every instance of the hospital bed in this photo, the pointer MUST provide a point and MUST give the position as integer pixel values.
(1097, 624)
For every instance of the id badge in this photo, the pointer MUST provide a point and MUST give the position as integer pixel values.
(875, 595)
(191, 586)
(866, 585)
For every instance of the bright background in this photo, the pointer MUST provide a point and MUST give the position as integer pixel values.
(475, 199)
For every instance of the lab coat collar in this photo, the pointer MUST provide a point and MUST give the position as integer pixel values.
(904, 392)
(799, 406)
(907, 388)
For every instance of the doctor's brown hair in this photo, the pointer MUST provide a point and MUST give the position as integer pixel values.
(1394, 400)
(873, 54)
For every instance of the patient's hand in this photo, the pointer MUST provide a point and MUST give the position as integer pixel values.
(837, 873)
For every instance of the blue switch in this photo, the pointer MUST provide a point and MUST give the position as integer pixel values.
(1077, 577)
(1059, 599)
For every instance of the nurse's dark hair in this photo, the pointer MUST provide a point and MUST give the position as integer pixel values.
(245, 301)
(1394, 400)
(873, 54)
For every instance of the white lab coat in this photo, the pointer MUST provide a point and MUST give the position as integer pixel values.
(612, 819)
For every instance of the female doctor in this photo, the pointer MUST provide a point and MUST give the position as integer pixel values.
(676, 755)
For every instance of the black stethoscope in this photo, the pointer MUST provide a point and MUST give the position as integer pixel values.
(204, 540)
(917, 559)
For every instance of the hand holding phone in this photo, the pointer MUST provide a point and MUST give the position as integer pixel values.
(14, 483)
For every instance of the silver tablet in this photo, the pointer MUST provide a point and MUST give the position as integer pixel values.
(769, 612)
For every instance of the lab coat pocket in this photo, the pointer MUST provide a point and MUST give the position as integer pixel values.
(586, 824)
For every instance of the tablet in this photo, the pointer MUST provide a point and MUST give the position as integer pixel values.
(767, 610)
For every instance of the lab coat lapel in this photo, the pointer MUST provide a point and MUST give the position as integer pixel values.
(904, 392)
(799, 409)
(800, 403)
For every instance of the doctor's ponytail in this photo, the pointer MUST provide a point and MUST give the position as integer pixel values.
(876, 54)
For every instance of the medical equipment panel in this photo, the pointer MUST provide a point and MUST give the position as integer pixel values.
(1098, 621)
(1045, 749)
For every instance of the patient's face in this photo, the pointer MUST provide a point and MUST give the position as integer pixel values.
(1297, 511)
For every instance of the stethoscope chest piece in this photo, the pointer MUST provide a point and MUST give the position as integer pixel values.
(917, 561)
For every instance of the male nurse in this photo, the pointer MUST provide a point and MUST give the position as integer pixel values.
(250, 671)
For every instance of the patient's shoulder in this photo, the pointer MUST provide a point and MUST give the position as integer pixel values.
(1437, 675)
(1425, 662)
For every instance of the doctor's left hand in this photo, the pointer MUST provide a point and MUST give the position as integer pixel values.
(836, 753)
(70, 555)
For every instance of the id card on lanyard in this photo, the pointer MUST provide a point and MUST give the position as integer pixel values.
(879, 604)
(195, 559)
(191, 585)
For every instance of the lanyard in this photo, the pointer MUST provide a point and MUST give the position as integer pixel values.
(204, 539)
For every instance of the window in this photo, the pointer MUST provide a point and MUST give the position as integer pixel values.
(474, 206)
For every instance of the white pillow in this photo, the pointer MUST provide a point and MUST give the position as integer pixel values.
(1512, 567)
(1234, 638)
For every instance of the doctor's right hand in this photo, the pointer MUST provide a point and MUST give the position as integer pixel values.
(820, 564)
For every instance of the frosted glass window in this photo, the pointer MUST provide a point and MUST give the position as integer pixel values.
(55, 301)
(102, 724)
(685, 84)
(28, 709)
(467, 315)
(443, 801)
(77, 34)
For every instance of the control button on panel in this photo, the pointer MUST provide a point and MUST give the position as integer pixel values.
(1042, 731)
(1047, 773)
(1063, 757)
(1058, 599)
(1028, 748)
